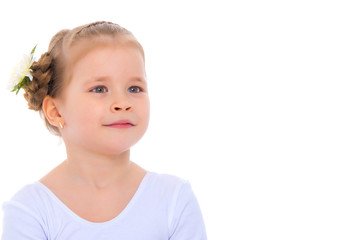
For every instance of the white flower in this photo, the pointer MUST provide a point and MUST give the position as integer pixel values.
(21, 71)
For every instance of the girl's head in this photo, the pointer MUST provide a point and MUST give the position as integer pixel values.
(53, 72)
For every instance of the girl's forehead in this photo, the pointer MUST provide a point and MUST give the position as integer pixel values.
(85, 47)
(82, 48)
(96, 62)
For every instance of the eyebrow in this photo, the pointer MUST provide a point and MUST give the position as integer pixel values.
(106, 78)
(97, 79)
(138, 79)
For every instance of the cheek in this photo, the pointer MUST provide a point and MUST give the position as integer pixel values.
(145, 110)
(83, 114)
(83, 124)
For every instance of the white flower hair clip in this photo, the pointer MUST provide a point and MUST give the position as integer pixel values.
(21, 75)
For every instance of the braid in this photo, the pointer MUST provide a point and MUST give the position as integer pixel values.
(93, 29)
(94, 24)
(97, 23)
(37, 89)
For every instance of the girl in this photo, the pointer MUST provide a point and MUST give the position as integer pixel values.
(91, 89)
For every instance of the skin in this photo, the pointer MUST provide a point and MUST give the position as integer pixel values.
(107, 84)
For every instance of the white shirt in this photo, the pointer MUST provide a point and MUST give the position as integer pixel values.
(163, 207)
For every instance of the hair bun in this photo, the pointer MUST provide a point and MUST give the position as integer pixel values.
(37, 89)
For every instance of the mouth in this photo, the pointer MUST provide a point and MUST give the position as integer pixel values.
(120, 124)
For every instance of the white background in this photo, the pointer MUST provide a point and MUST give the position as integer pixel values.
(255, 102)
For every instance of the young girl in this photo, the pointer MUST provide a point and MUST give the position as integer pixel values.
(91, 89)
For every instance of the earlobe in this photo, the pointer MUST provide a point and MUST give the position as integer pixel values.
(51, 111)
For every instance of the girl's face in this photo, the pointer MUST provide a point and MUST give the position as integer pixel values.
(105, 105)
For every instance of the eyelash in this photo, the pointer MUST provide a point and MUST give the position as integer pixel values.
(99, 87)
(138, 89)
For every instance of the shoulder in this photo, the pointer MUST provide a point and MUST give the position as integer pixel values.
(166, 179)
(28, 194)
(25, 211)
(166, 183)
(184, 215)
(165, 189)
(176, 191)
(30, 198)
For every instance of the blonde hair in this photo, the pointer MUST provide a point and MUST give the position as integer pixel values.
(49, 71)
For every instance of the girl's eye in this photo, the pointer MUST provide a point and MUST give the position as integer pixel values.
(99, 89)
(134, 89)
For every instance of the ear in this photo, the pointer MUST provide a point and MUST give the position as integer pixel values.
(51, 111)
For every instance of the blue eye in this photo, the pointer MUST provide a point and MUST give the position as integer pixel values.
(99, 89)
(134, 89)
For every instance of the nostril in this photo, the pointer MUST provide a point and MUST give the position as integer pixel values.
(117, 108)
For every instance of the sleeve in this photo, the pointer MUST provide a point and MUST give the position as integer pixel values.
(21, 223)
(186, 222)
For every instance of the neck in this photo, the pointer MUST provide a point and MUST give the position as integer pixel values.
(95, 170)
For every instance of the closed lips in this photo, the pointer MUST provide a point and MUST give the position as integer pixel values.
(120, 123)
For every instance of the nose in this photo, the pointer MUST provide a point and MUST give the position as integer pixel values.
(121, 106)
(116, 108)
